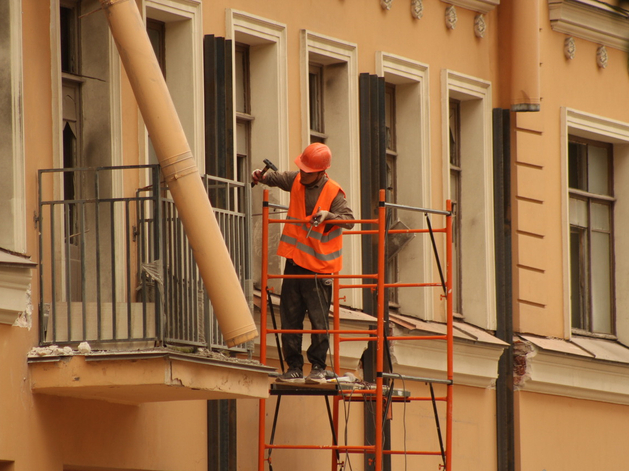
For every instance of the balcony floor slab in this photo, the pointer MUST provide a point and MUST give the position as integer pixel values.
(139, 377)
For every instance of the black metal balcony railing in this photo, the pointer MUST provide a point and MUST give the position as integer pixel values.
(118, 270)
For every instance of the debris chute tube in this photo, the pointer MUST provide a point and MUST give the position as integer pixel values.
(180, 171)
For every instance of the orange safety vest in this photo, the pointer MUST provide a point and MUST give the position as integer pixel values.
(321, 251)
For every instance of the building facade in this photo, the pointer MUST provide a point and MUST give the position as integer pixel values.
(512, 109)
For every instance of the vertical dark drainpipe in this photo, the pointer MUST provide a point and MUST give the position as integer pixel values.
(505, 429)
(373, 178)
(222, 438)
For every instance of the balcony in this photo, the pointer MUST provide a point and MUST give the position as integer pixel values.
(124, 315)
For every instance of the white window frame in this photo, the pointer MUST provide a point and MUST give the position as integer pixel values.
(268, 82)
(411, 79)
(13, 235)
(477, 251)
(184, 51)
(343, 132)
(600, 129)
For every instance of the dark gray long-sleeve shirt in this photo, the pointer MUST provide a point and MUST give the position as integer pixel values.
(338, 210)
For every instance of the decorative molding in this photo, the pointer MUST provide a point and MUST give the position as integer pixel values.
(480, 26)
(475, 364)
(417, 9)
(594, 22)
(569, 48)
(386, 4)
(451, 17)
(601, 57)
(15, 283)
(480, 6)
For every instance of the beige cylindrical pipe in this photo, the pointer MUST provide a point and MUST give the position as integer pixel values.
(525, 56)
(180, 171)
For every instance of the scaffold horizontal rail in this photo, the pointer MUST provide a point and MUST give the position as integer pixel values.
(415, 378)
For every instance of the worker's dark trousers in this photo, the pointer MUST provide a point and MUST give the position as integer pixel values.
(301, 295)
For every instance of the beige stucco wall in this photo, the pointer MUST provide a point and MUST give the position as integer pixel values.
(562, 433)
(49, 433)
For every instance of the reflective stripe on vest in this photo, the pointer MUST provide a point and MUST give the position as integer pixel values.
(320, 251)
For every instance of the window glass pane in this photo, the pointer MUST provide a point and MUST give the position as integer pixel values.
(316, 98)
(600, 214)
(578, 212)
(598, 170)
(389, 116)
(241, 138)
(577, 165)
(240, 82)
(454, 134)
(601, 283)
(576, 278)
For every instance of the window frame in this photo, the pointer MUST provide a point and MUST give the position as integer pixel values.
(412, 129)
(316, 100)
(183, 49)
(478, 268)
(585, 268)
(456, 175)
(602, 129)
(340, 61)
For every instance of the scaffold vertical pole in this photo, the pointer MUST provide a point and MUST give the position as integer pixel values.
(380, 331)
(337, 359)
(263, 330)
(450, 339)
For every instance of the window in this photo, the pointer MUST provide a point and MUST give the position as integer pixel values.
(174, 28)
(86, 91)
(330, 107)
(455, 197)
(157, 35)
(590, 138)
(408, 164)
(591, 235)
(244, 118)
(315, 95)
(468, 181)
(261, 105)
(391, 179)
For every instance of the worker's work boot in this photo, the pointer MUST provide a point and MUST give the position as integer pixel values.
(293, 375)
(316, 376)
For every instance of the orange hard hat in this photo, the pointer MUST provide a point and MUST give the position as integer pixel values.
(315, 158)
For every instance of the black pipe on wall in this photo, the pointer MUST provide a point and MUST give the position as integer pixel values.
(505, 429)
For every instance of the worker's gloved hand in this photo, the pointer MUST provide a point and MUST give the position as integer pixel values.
(320, 216)
(257, 176)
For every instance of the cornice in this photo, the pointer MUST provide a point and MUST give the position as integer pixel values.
(576, 377)
(589, 21)
(15, 282)
(481, 6)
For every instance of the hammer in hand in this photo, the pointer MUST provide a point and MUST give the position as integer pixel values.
(267, 165)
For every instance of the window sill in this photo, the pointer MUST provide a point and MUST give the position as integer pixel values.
(585, 333)
(590, 20)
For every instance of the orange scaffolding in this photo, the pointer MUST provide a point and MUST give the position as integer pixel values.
(377, 393)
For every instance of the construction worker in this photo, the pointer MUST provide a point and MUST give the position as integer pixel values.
(311, 248)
